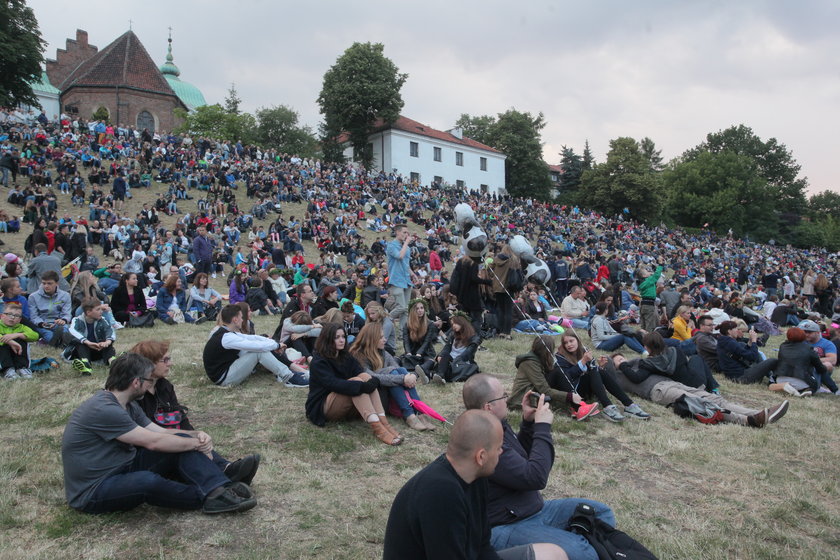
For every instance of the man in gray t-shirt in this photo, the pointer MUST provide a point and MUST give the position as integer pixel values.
(116, 459)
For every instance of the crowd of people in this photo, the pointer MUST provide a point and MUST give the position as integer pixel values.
(363, 325)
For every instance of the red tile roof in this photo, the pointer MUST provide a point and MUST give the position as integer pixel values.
(408, 125)
(555, 168)
(124, 63)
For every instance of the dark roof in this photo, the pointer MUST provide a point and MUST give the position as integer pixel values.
(409, 125)
(124, 63)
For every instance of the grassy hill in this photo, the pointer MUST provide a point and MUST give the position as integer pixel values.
(686, 490)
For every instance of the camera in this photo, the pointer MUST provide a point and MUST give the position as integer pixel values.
(534, 399)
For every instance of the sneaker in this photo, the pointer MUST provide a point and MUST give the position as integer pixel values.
(297, 380)
(584, 411)
(226, 500)
(244, 469)
(482, 349)
(776, 412)
(242, 490)
(213, 275)
(437, 379)
(822, 390)
(757, 420)
(636, 411)
(117, 326)
(421, 374)
(612, 414)
(793, 391)
(67, 354)
(82, 366)
(25, 373)
(11, 373)
(200, 320)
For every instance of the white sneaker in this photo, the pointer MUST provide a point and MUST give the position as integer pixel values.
(117, 326)
(11, 373)
(25, 373)
(214, 275)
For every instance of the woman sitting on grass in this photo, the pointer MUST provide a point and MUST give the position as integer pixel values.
(456, 361)
(375, 313)
(339, 387)
(419, 336)
(203, 298)
(172, 302)
(300, 333)
(576, 371)
(532, 371)
(128, 300)
(605, 337)
(396, 381)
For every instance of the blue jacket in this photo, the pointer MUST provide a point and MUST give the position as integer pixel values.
(734, 357)
(164, 301)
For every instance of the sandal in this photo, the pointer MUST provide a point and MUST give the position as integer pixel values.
(383, 435)
(391, 429)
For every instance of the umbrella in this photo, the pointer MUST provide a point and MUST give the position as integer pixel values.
(423, 408)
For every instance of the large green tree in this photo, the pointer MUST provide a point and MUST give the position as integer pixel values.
(572, 165)
(213, 121)
(278, 128)
(519, 136)
(361, 87)
(21, 54)
(624, 180)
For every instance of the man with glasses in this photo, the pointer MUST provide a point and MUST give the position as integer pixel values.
(115, 458)
(516, 510)
(14, 342)
(706, 342)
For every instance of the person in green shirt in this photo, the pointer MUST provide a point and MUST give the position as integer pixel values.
(647, 290)
(14, 339)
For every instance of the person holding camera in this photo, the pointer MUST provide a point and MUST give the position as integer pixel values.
(517, 512)
(741, 362)
(400, 276)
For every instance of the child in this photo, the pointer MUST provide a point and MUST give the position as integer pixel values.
(93, 338)
(257, 300)
(14, 339)
(10, 288)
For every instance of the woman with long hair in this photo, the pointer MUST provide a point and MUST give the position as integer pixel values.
(436, 310)
(419, 336)
(339, 387)
(395, 381)
(456, 361)
(798, 362)
(532, 372)
(576, 371)
(85, 286)
(205, 299)
(300, 332)
(15, 270)
(822, 290)
(171, 299)
(238, 286)
(128, 300)
(503, 262)
(375, 313)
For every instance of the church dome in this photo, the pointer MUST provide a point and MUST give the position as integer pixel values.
(186, 92)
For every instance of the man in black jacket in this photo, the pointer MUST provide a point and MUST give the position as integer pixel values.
(442, 511)
(516, 510)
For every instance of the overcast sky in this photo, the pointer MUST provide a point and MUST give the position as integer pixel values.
(670, 70)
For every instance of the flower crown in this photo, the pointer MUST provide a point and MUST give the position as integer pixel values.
(415, 301)
(460, 313)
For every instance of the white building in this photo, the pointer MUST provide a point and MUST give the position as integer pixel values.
(427, 155)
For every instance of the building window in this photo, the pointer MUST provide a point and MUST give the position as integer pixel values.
(460, 184)
(415, 177)
(438, 154)
(414, 149)
(459, 158)
(438, 179)
(483, 163)
(145, 120)
(484, 188)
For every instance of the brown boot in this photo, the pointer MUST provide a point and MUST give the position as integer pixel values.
(391, 429)
(415, 423)
(383, 435)
(428, 422)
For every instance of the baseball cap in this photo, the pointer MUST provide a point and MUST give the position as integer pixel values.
(809, 326)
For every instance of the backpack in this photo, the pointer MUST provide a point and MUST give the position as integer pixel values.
(609, 543)
(515, 280)
(706, 412)
(27, 244)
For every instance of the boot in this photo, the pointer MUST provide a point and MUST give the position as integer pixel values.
(391, 429)
(428, 422)
(415, 423)
(383, 435)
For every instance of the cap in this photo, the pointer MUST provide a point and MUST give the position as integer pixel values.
(11, 257)
(809, 326)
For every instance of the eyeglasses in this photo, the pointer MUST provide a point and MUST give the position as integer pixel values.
(13, 315)
(504, 396)
(144, 379)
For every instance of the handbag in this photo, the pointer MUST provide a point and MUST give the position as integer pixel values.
(141, 321)
(410, 361)
(461, 371)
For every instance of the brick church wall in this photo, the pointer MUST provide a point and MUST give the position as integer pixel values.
(67, 59)
(88, 100)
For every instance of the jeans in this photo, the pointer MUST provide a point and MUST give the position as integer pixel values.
(616, 341)
(143, 482)
(580, 323)
(688, 347)
(108, 285)
(398, 393)
(247, 361)
(549, 525)
(756, 372)
(399, 314)
(530, 325)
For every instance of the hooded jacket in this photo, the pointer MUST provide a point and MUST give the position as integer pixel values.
(531, 376)
(44, 308)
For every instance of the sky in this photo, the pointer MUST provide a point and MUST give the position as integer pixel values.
(673, 70)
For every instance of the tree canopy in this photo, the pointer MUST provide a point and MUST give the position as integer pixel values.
(21, 54)
(278, 128)
(361, 87)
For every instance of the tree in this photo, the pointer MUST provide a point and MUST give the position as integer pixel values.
(331, 149)
(232, 101)
(826, 203)
(477, 128)
(588, 161)
(361, 87)
(214, 121)
(572, 165)
(278, 128)
(623, 181)
(21, 54)
(652, 155)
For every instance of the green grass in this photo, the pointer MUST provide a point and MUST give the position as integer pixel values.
(686, 490)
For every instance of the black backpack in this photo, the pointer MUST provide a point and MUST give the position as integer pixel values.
(515, 280)
(609, 543)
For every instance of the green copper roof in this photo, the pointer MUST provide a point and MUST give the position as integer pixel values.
(44, 85)
(186, 92)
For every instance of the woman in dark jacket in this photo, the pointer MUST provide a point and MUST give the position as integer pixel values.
(576, 372)
(339, 387)
(465, 285)
(128, 299)
(672, 362)
(419, 336)
(456, 361)
(798, 359)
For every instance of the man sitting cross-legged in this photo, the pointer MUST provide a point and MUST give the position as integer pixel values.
(442, 511)
(115, 458)
(515, 508)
